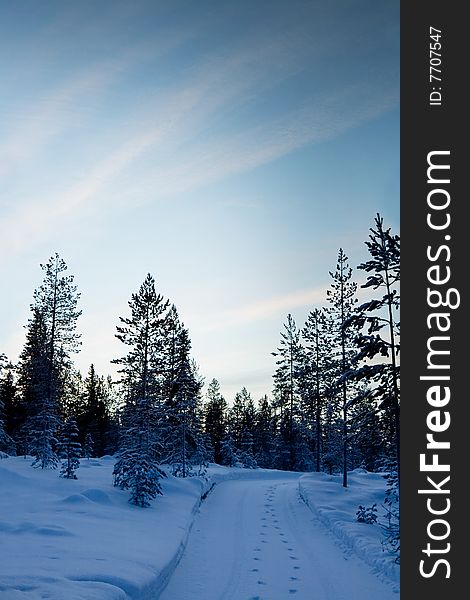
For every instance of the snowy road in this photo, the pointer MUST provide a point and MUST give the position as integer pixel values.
(256, 540)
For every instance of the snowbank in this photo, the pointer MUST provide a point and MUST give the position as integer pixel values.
(336, 507)
(81, 540)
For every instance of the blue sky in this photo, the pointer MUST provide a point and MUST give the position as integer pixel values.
(228, 148)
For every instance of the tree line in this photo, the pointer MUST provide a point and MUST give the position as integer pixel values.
(334, 404)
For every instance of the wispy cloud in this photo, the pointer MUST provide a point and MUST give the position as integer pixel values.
(171, 129)
(260, 310)
(325, 117)
(264, 309)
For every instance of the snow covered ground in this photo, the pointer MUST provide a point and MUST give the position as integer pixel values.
(81, 540)
(336, 508)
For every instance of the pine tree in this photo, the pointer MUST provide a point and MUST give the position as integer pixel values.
(69, 449)
(378, 327)
(142, 378)
(57, 299)
(342, 299)
(45, 361)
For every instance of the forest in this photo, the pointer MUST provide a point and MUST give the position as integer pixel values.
(334, 405)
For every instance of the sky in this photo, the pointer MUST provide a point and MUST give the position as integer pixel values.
(227, 148)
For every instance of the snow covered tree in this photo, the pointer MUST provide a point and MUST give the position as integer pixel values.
(246, 454)
(215, 411)
(88, 446)
(71, 396)
(94, 419)
(289, 364)
(185, 430)
(142, 376)
(45, 364)
(228, 451)
(38, 433)
(342, 298)
(142, 479)
(57, 299)
(316, 378)
(69, 449)
(171, 341)
(264, 434)
(236, 416)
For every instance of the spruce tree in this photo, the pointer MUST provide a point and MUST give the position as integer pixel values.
(228, 451)
(69, 449)
(264, 434)
(246, 453)
(142, 371)
(215, 410)
(289, 363)
(7, 405)
(38, 432)
(183, 445)
(88, 446)
(94, 419)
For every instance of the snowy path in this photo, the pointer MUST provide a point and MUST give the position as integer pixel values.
(256, 540)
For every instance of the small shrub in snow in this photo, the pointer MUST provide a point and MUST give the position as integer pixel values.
(367, 515)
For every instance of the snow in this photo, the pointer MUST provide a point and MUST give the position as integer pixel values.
(66, 539)
(336, 508)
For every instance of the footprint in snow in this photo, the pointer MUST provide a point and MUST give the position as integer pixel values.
(293, 557)
(292, 591)
(297, 568)
(261, 582)
(254, 570)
